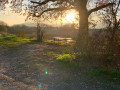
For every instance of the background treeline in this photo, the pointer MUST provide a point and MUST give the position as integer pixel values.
(22, 30)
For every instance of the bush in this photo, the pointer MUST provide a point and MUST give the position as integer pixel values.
(68, 61)
(106, 74)
(3, 29)
(21, 34)
(65, 57)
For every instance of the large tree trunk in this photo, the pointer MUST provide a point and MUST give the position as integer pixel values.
(83, 35)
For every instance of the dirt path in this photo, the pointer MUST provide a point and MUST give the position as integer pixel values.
(28, 68)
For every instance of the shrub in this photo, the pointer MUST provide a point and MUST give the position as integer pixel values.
(3, 29)
(67, 60)
(105, 74)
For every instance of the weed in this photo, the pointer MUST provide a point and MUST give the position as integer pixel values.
(68, 61)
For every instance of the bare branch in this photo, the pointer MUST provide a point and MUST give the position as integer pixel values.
(42, 3)
(53, 9)
(99, 8)
(117, 7)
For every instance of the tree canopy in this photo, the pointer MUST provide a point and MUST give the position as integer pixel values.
(40, 7)
(2, 4)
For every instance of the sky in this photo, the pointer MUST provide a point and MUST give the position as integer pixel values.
(11, 18)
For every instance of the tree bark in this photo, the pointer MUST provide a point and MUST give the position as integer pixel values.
(39, 34)
(83, 35)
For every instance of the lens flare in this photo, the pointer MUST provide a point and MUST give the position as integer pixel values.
(40, 85)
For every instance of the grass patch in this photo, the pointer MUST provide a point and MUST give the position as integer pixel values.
(10, 41)
(57, 43)
(23, 65)
(106, 75)
(68, 61)
(51, 54)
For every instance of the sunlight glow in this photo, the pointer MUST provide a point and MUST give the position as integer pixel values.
(70, 17)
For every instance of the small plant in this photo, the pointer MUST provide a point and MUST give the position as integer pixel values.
(65, 57)
(68, 61)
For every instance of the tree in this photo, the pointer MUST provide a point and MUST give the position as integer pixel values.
(3, 29)
(38, 8)
(112, 20)
(3, 23)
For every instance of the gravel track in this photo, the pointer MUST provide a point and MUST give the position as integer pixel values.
(27, 68)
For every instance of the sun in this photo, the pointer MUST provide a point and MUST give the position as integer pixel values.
(70, 17)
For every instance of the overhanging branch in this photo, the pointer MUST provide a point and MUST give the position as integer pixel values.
(99, 8)
(53, 9)
(42, 3)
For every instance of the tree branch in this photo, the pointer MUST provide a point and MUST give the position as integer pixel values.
(42, 3)
(117, 6)
(53, 9)
(99, 8)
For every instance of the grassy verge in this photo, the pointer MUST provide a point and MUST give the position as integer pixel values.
(105, 75)
(57, 43)
(10, 41)
(65, 58)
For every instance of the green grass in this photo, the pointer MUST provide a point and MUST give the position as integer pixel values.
(105, 75)
(10, 41)
(68, 61)
(57, 43)
(51, 54)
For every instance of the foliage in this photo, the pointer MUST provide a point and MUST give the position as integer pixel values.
(3, 29)
(100, 47)
(106, 74)
(65, 57)
(68, 61)
(2, 4)
(21, 28)
(9, 41)
(21, 34)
